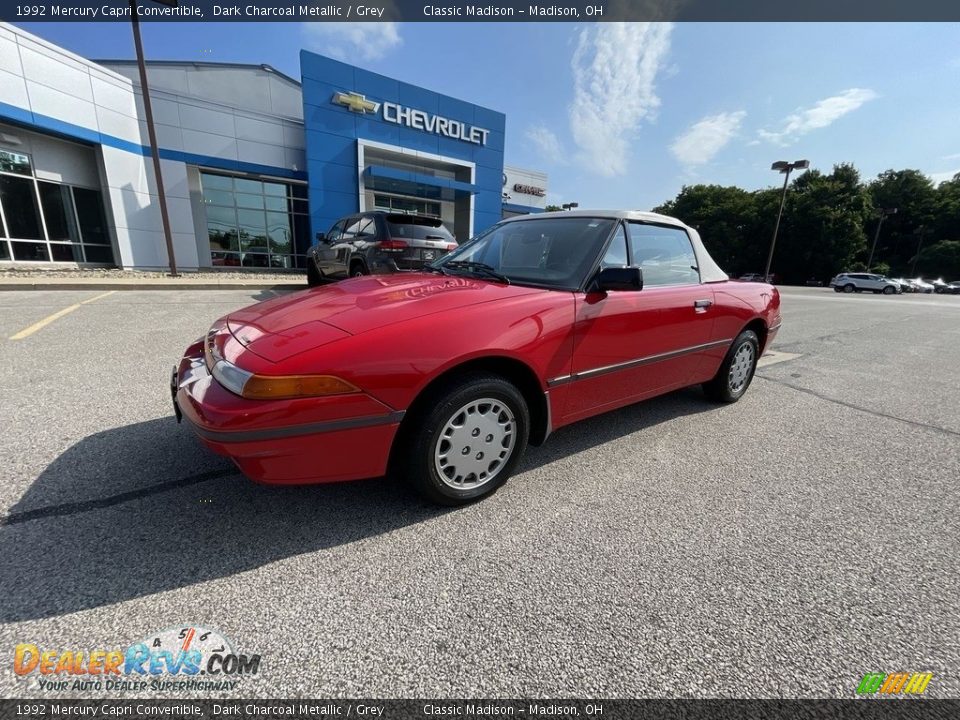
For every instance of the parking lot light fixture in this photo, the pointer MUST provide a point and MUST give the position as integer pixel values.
(785, 168)
(570, 206)
(152, 132)
(884, 212)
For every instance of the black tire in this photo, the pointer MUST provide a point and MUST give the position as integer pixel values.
(313, 275)
(722, 388)
(358, 269)
(838, 289)
(889, 290)
(421, 438)
(849, 288)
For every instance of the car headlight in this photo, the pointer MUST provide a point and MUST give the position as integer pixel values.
(278, 387)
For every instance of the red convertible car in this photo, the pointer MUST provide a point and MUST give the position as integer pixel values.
(445, 375)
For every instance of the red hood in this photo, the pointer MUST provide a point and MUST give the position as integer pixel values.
(283, 327)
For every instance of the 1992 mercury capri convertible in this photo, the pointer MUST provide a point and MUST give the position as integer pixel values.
(445, 375)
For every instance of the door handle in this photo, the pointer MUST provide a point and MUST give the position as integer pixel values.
(702, 304)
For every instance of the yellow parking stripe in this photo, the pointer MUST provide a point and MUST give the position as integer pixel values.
(27, 332)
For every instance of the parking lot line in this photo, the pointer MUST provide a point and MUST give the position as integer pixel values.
(28, 331)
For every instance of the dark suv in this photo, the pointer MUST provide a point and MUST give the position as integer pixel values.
(377, 243)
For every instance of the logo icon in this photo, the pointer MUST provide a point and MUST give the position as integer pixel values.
(355, 102)
(894, 683)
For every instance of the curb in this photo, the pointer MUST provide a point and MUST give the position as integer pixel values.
(226, 285)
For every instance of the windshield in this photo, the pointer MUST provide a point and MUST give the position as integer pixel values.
(553, 252)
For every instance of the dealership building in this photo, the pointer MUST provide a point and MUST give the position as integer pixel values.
(254, 163)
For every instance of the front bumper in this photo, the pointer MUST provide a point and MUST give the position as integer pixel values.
(300, 441)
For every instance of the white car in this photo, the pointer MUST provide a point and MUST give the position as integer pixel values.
(922, 285)
(858, 282)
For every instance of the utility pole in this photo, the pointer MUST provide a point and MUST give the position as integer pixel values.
(884, 212)
(152, 132)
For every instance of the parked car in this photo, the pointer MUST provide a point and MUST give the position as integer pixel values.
(922, 285)
(953, 288)
(939, 286)
(858, 282)
(906, 285)
(377, 243)
(444, 376)
(813, 282)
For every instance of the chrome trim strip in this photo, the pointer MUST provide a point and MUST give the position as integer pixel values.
(294, 430)
(594, 372)
(775, 327)
(549, 429)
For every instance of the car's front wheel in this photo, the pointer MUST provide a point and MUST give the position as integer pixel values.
(464, 440)
(849, 288)
(736, 372)
(889, 290)
(313, 275)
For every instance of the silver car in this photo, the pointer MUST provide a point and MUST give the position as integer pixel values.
(377, 243)
(858, 282)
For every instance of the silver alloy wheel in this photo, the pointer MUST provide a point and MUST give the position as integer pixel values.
(475, 444)
(740, 367)
(848, 288)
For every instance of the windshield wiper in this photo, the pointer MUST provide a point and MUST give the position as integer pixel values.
(477, 268)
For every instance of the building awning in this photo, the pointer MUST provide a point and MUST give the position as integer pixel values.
(406, 182)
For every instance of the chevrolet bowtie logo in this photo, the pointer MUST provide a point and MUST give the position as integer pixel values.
(356, 102)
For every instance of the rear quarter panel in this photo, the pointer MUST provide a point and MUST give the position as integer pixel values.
(737, 304)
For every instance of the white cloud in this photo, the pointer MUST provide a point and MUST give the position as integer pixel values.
(955, 156)
(707, 137)
(546, 142)
(823, 113)
(615, 66)
(939, 177)
(353, 40)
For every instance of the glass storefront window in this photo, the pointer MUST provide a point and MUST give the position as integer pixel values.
(93, 226)
(14, 162)
(58, 212)
(45, 221)
(20, 208)
(255, 223)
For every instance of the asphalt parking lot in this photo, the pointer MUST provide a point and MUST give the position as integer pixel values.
(779, 547)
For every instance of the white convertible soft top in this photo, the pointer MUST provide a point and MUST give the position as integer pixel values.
(710, 272)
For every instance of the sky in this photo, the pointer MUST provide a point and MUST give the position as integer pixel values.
(625, 115)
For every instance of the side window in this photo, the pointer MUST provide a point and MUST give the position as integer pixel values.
(350, 231)
(367, 228)
(616, 255)
(335, 232)
(664, 253)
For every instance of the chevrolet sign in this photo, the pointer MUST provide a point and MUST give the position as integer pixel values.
(416, 119)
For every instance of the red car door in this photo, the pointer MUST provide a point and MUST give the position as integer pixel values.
(630, 345)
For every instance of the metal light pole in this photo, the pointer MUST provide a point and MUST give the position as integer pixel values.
(884, 212)
(151, 131)
(784, 167)
(921, 231)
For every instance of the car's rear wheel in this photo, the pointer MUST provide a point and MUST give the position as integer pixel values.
(464, 440)
(849, 288)
(313, 275)
(736, 371)
(889, 290)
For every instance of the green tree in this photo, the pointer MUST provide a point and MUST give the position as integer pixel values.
(913, 195)
(940, 260)
(947, 209)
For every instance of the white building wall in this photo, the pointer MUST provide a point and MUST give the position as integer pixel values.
(524, 177)
(42, 78)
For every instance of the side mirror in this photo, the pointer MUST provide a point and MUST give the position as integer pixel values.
(321, 237)
(619, 278)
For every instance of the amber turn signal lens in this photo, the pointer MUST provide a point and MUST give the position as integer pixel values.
(265, 387)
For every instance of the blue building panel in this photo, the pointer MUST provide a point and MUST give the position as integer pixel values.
(333, 131)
